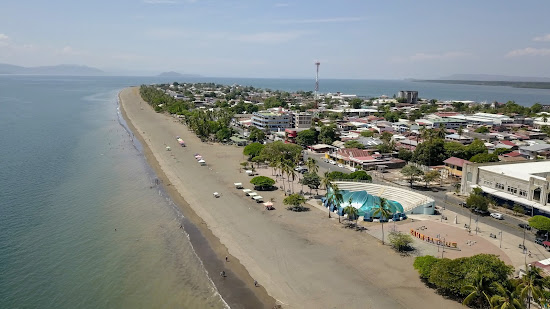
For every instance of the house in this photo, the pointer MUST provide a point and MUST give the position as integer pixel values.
(454, 166)
(531, 152)
(459, 138)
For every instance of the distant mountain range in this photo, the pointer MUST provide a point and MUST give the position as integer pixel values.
(62, 69)
(176, 74)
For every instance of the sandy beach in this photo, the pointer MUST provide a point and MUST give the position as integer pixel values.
(300, 260)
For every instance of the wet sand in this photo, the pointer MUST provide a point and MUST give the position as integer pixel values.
(303, 260)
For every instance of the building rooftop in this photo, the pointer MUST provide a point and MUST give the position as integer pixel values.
(522, 171)
(456, 161)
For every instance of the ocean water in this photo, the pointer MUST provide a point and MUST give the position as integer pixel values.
(71, 174)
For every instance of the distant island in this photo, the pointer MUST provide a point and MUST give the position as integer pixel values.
(176, 74)
(515, 84)
(62, 69)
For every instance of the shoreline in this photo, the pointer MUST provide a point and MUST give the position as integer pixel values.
(304, 260)
(234, 289)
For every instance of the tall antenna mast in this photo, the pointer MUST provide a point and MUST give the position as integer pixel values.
(317, 64)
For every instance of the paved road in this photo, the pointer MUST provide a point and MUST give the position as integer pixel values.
(508, 225)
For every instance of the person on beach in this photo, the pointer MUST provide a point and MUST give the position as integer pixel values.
(255, 283)
(226, 259)
(222, 274)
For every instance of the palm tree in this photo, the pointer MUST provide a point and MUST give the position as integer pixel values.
(352, 212)
(290, 172)
(506, 298)
(326, 181)
(383, 210)
(480, 288)
(460, 131)
(334, 197)
(531, 285)
(312, 165)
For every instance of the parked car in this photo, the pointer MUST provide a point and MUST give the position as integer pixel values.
(525, 226)
(539, 241)
(497, 215)
(340, 165)
(331, 162)
(481, 212)
(303, 170)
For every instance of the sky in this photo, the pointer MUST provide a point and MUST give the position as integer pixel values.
(353, 39)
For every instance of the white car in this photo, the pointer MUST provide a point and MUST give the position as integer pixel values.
(340, 165)
(497, 215)
(331, 162)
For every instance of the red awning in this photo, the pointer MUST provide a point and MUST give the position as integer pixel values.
(546, 243)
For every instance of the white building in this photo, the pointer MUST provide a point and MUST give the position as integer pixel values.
(301, 120)
(522, 183)
(271, 121)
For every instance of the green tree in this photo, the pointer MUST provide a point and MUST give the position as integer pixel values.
(295, 202)
(476, 201)
(256, 134)
(476, 147)
(354, 144)
(506, 297)
(430, 152)
(352, 212)
(312, 180)
(262, 182)
(223, 134)
(386, 136)
(482, 129)
(253, 150)
(327, 134)
(424, 265)
(430, 176)
(455, 149)
(356, 103)
(383, 211)
(517, 209)
(312, 166)
(479, 289)
(399, 241)
(501, 151)
(405, 154)
(307, 137)
(484, 158)
(540, 223)
(334, 197)
(412, 173)
(367, 133)
(531, 285)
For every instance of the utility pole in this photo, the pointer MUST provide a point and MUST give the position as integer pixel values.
(477, 219)
(500, 246)
(443, 248)
(470, 225)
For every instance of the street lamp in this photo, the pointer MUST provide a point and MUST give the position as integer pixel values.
(500, 246)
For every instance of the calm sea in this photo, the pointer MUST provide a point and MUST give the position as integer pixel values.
(71, 174)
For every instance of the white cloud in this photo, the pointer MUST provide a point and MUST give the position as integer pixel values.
(3, 36)
(432, 56)
(321, 20)
(542, 38)
(270, 37)
(529, 51)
